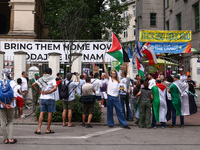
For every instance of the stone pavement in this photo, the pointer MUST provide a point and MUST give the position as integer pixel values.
(192, 120)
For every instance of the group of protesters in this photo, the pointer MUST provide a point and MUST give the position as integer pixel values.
(162, 98)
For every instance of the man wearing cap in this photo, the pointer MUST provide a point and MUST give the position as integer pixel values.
(34, 93)
(177, 90)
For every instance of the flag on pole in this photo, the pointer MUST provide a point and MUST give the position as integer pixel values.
(125, 56)
(136, 53)
(130, 53)
(116, 51)
(140, 68)
(148, 51)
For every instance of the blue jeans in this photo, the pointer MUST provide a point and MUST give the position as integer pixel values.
(125, 99)
(114, 101)
(154, 121)
(47, 105)
(174, 116)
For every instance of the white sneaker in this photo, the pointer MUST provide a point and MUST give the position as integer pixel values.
(102, 106)
(23, 116)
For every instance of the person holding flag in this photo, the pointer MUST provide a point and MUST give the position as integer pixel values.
(113, 100)
(177, 90)
(159, 104)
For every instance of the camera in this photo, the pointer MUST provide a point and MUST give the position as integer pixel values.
(74, 73)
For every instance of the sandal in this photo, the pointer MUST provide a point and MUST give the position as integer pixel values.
(50, 132)
(6, 141)
(72, 125)
(36, 132)
(13, 141)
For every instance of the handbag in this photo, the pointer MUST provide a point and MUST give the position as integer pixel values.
(87, 99)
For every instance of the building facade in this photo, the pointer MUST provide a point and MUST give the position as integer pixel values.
(128, 35)
(149, 15)
(22, 19)
(173, 15)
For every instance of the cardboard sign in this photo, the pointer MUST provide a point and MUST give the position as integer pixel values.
(95, 69)
(124, 67)
(161, 69)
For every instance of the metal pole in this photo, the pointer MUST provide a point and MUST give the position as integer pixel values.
(164, 14)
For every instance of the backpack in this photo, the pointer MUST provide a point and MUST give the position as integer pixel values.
(64, 90)
(6, 95)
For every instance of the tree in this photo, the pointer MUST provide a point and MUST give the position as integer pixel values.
(73, 20)
(97, 17)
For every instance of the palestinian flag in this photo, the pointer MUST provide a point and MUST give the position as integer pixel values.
(116, 51)
(159, 102)
(182, 101)
(140, 68)
(148, 51)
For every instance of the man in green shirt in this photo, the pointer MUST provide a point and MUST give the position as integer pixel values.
(35, 94)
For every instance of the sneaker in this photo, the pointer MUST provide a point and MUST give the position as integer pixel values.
(163, 127)
(154, 127)
(22, 116)
(172, 126)
(102, 106)
(83, 124)
(126, 127)
(89, 126)
(110, 126)
(181, 126)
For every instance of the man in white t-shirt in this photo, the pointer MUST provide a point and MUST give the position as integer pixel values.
(97, 87)
(48, 86)
(24, 83)
(152, 81)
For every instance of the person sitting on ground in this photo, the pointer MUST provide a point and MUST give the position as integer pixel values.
(87, 89)
(68, 104)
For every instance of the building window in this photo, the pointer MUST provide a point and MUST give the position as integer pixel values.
(152, 19)
(196, 9)
(134, 31)
(134, 12)
(167, 25)
(125, 33)
(167, 3)
(125, 14)
(179, 21)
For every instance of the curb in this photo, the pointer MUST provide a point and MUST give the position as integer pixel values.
(79, 124)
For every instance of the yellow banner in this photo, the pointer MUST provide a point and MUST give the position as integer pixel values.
(165, 36)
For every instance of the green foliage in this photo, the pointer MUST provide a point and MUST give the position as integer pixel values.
(76, 112)
(84, 19)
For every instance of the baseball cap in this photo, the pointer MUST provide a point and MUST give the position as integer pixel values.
(189, 76)
(37, 74)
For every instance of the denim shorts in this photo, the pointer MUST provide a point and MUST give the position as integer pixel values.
(98, 98)
(47, 105)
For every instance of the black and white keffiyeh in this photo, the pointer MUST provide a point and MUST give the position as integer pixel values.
(43, 81)
(5, 73)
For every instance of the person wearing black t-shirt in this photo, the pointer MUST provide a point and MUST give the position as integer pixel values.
(191, 83)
